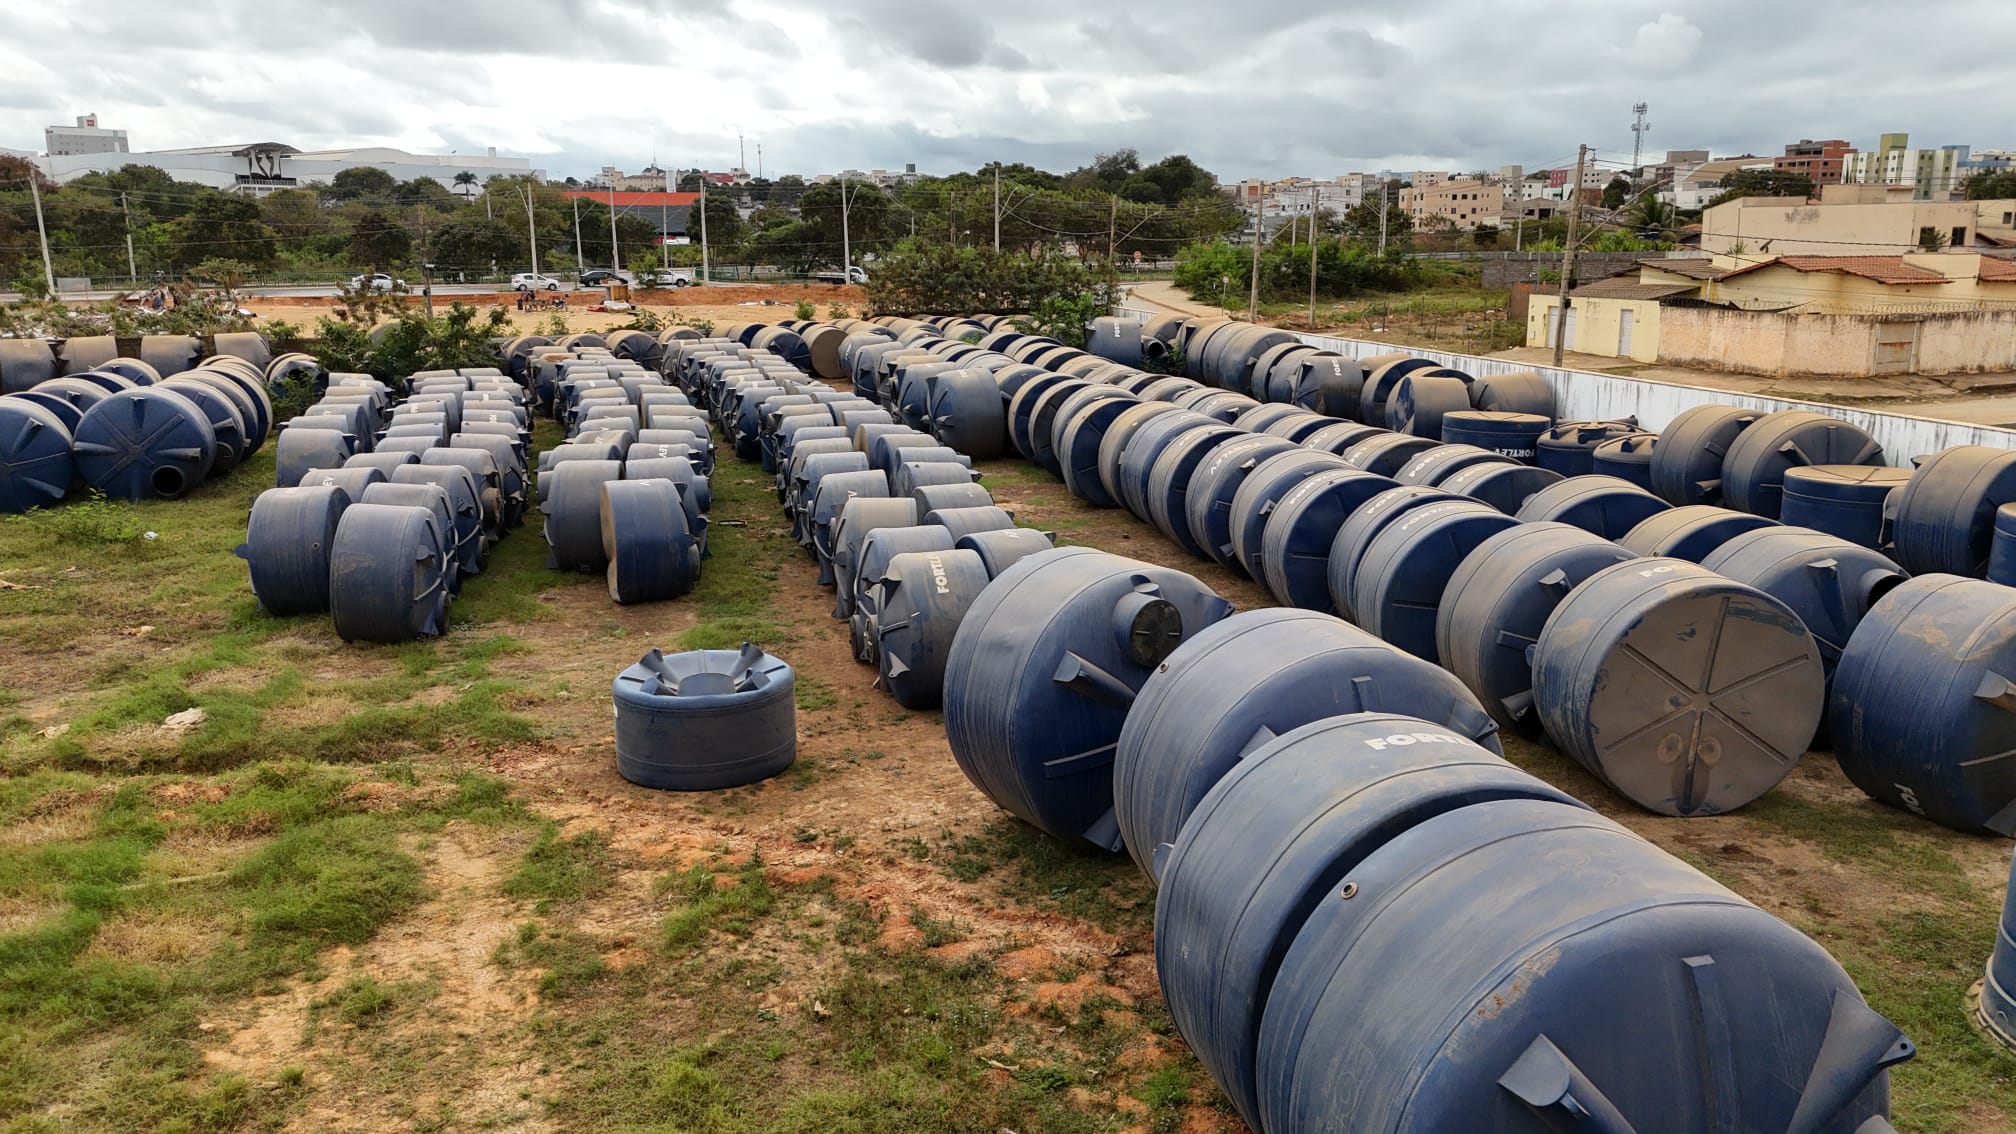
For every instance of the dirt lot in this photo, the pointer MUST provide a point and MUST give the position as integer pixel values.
(397, 888)
(720, 303)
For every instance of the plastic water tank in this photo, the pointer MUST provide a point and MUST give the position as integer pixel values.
(573, 508)
(1691, 531)
(1504, 487)
(1382, 989)
(1002, 548)
(652, 551)
(1400, 577)
(1387, 453)
(706, 719)
(1259, 495)
(1843, 500)
(1237, 685)
(1282, 831)
(287, 544)
(1169, 480)
(1431, 467)
(1358, 531)
(147, 443)
(1569, 448)
(1496, 602)
(1041, 674)
(2002, 553)
(1829, 582)
(388, 574)
(1522, 391)
(1688, 693)
(1515, 435)
(1923, 710)
(1627, 458)
(849, 531)
(1295, 543)
(36, 467)
(1753, 473)
(1601, 505)
(878, 547)
(919, 601)
(1943, 519)
(1207, 505)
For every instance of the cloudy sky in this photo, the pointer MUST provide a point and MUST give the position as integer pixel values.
(1252, 87)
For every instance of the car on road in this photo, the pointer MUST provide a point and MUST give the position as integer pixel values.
(855, 274)
(603, 277)
(376, 281)
(671, 277)
(533, 281)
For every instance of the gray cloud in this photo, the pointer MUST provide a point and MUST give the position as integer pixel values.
(1263, 87)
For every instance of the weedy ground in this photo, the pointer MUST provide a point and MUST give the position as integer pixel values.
(402, 888)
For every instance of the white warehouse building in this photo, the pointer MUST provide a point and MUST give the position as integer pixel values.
(263, 167)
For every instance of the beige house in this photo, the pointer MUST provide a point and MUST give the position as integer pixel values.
(1466, 204)
(1850, 220)
(1842, 316)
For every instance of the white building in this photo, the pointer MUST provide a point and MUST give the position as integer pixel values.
(263, 167)
(87, 137)
(1932, 174)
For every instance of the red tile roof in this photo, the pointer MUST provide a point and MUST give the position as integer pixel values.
(1998, 270)
(1889, 270)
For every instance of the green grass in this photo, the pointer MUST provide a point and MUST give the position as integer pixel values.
(735, 600)
(562, 870)
(703, 901)
(1020, 864)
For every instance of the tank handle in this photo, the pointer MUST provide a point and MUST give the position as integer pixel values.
(1859, 1045)
(1557, 1092)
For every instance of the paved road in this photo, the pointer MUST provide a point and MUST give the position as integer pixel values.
(301, 291)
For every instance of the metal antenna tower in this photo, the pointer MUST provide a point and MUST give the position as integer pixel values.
(1639, 128)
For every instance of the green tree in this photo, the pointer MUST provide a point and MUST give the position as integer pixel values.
(1763, 183)
(724, 221)
(428, 192)
(1997, 186)
(1652, 218)
(473, 243)
(929, 277)
(1361, 223)
(465, 184)
(870, 218)
(378, 240)
(1616, 193)
(222, 225)
(362, 183)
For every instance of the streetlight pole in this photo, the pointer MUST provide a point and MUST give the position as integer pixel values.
(41, 231)
(705, 276)
(578, 259)
(615, 252)
(531, 230)
(846, 239)
(132, 268)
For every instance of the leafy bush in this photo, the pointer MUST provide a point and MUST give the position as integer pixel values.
(94, 520)
(1217, 270)
(804, 311)
(411, 343)
(923, 278)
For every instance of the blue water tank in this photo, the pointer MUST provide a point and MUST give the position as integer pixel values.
(1569, 448)
(1260, 493)
(1829, 582)
(1283, 830)
(1081, 436)
(573, 508)
(1689, 693)
(1753, 472)
(1923, 710)
(1446, 983)
(912, 475)
(1996, 1008)
(2002, 553)
(849, 530)
(1843, 500)
(147, 443)
(1943, 519)
(483, 469)
(36, 467)
(465, 507)
(706, 719)
(1387, 453)
(287, 544)
(1627, 458)
(1431, 467)
(1043, 670)
(1400, 577)
(1339, 436)
(1299, 426)
(1515, 435)
(652, 550)
(1235, 686)
(1172, 474)
(1420, 401)
(353, 481)
(432, 497)
(1260, 417)
(1496, 603)
(388, 574)
(227, 424)
(1602, 505)
(1022, 408)
(1380, 383)
(1295, 543)
(961, 522)
(1002, 548)
(877, 548)
(1042, 427)
(1690, 531)
(1358, 530)
(1207, 505)
(1146, 443)
(919, 602)
(1522, 392)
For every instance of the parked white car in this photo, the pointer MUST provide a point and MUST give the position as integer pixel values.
(376, 281)
(671, 277)
(855, 274)
(532, 281)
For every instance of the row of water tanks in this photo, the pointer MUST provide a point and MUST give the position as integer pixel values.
(1354, 885)
(382, 510)
(123, 429)
(893, 519)
(629, 491)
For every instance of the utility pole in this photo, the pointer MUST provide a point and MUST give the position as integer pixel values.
(579, 259)
(997, 206)
(35, 191)
(1383, 206)
(531, 232)
(615, 251)
(132, 268)
(1314, 236)
(952, 219)
(1568, 254)
(1113, 245)
(705, 277)
(426, 263)
(846, 239)
(1259, 230)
